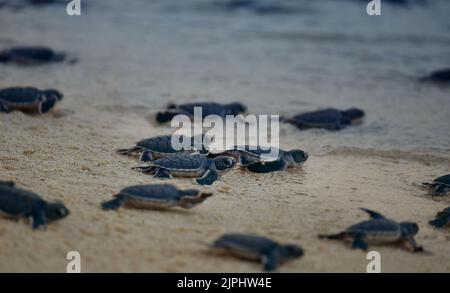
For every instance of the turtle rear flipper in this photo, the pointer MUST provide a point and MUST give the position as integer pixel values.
(128, 152)
(208, 178)
(115, 203)
(440, 222)
(266, 167)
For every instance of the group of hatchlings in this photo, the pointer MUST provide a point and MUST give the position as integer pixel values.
(163, 161)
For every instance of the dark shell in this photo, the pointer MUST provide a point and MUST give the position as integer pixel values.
(209, 109)
(21, 95)
(182, 162)
(327, 118)
(438, 76)
(17, 202)
(443, 179)
(377, 227)
(250, 245)
(31, 55)
(161, 192)
(159, 144)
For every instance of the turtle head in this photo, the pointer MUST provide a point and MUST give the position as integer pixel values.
(409, 228)
(224, 163)
(52, 94)
(236, 108)
(354, 114)
(290, 251)
(299, 156)
(55, 211)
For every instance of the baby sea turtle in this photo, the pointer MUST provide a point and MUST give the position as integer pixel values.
(260, 160)
(256, 248)
(378, 230)
(19, 203)
(442, 219)
(440, 186)
(32, 56)
(190, 165)
(221, 110)
(330, 119)
(29, 100)
(158, 147)
(439, 76)
(156, 196)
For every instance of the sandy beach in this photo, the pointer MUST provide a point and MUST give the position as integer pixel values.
(133, 63)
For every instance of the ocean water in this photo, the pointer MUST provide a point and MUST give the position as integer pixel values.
(303, 56)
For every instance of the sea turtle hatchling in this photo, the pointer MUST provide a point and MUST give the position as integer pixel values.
(18, 203)
(259, 160)
(256, 248)
(442, 219)
(156, 196)
(330, 119)
(378, 230)
(32, 56)
(158, 147)
(441, 76)
(29, 100)
(208, 108)
(439, 187)
(190, 165)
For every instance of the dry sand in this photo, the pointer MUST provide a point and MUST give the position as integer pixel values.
(124, 75)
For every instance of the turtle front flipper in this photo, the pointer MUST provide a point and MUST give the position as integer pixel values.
(208, 178)
(4, 107)
(338, 236)
(440, 221)
(412, 242)
(359, 242)
(163, 117)
(38, 218)
(267, 167)
(162, 173)
(47, 105)
(270, 260)
(440, 189)
(373, 214)
(146, 156)
(114, 204)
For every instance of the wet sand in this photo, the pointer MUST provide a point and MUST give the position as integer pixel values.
(110, 94)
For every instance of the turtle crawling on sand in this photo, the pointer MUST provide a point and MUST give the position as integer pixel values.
(29, 100)
(19, 203)
(442, 219)
(256, 248)
(156, 196)
(208, 108)
(158, 147)
(330, 119)
(259, 160)
(439, 187)
(190, 165)
(378, 230)
(32, 56)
